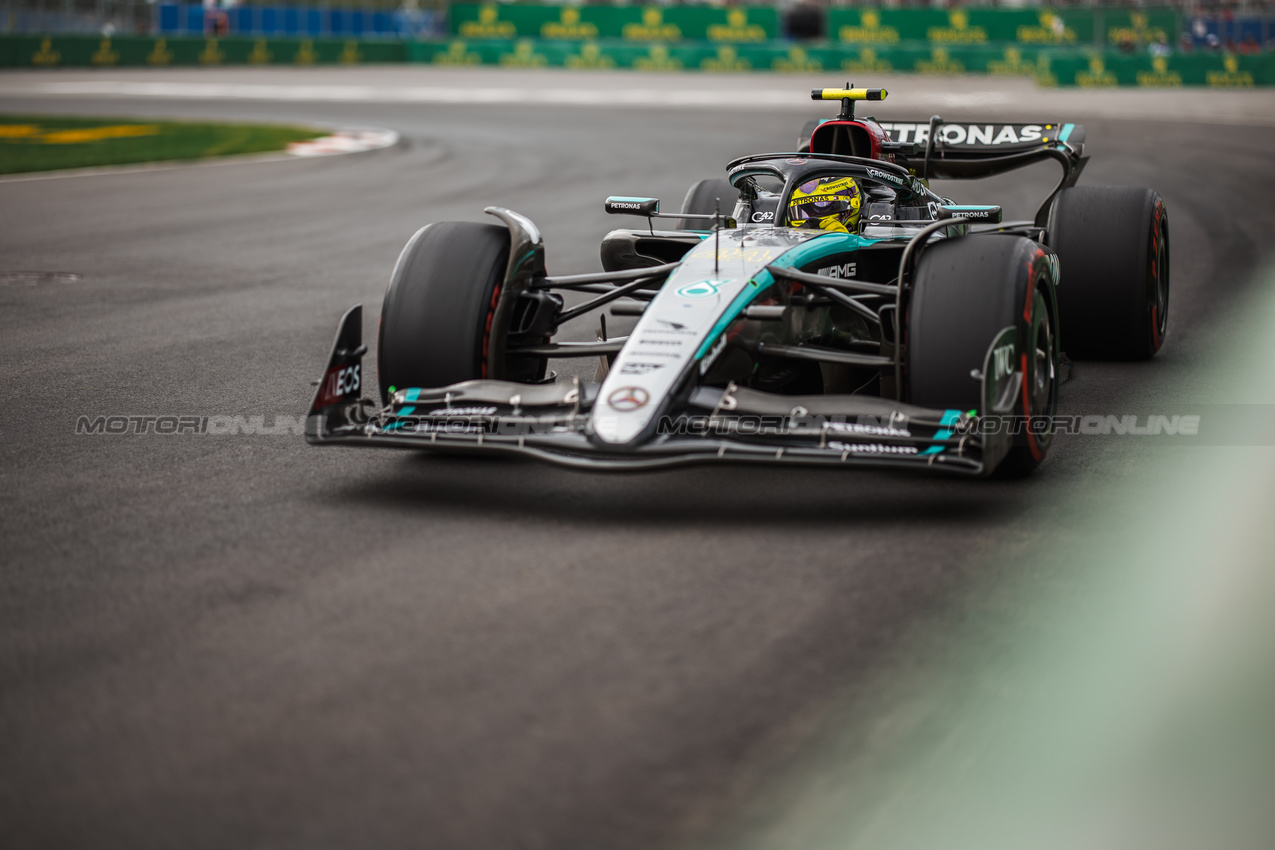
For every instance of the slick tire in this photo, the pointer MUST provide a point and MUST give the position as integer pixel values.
(437, 315)
(701, 199)
(1113, 251)
(967, 291)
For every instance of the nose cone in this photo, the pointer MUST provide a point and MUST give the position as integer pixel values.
(695, 306)
(661, 348)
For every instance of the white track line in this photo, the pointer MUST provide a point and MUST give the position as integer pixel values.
(345, 141)
(697, 98)
(1254, 108)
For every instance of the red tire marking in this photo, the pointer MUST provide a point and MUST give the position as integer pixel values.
(1027, 412)
(491, 314)
(1031, 290)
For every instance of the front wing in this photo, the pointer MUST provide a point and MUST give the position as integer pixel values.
(550, 422)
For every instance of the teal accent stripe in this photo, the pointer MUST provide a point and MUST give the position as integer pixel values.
(816, 249)
(525, 257)
(1066, 132)
(407, 410)
(630, 200)
(950, 417)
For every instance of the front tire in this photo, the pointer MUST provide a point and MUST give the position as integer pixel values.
(436, 319)
(967, 292)
(1113, 250)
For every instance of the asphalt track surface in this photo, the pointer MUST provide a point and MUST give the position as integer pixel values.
(238, 640)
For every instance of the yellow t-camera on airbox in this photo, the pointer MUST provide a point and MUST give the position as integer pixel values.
(848, 96)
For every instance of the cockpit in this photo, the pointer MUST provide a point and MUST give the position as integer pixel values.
(774, 190)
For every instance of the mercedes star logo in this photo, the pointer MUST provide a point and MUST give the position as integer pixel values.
(626, 399)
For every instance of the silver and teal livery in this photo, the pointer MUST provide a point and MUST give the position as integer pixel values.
(925, 334)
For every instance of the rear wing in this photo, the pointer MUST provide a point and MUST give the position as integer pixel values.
(942, 149)
(938, 149)
(947, 150)
(980, 137)
(960, 150)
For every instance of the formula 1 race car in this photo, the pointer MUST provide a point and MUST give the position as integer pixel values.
(838, 313)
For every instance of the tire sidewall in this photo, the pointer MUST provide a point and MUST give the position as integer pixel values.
(966, 294)
(1107, 239)
(437, 316)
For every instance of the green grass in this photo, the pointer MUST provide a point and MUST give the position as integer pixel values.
(44, 143)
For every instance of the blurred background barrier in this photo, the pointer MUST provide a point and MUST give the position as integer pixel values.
(1238, 26)
(1048, 65)
(1130, 26)
(1063, 46)
(79, 51)
(293, 21)
(360, 19)
(629, 23)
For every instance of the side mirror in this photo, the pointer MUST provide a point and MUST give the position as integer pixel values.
(616, 205)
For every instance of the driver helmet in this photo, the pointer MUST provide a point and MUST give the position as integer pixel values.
(827, 203)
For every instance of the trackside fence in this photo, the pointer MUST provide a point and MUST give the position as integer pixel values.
(77, 51)
(1087, 47)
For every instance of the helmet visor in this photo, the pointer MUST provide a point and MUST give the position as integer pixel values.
(807, 203)
(818, 208)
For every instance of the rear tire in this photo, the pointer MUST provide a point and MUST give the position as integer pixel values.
(437, 314)
(966, 292)
(701, 199)
(807, 130)
(1113, 250)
